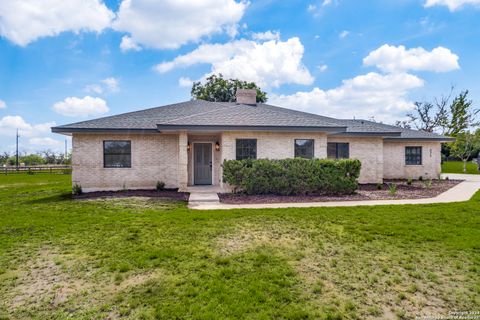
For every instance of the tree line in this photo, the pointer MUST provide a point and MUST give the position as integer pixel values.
(453, 116)
(40, 158)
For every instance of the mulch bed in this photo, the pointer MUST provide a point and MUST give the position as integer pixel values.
(171, 194)
(417, 190)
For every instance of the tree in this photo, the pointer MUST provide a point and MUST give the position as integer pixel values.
(218, 89)
(430, 116)
(461, 116)
(4, 157)
(465, 146)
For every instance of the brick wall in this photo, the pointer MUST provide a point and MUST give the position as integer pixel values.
(394, 160)
(154, 158)
(370, 153)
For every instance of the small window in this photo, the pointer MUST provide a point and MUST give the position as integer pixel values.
(246, 149)
(338, 150)
(304, 148)
(117, 154)
(413, 156)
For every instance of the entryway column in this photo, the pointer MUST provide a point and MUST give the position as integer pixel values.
(182, 161)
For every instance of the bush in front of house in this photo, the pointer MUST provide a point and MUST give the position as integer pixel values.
(292, 176)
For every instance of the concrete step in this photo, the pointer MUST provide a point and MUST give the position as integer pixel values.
(203, 197)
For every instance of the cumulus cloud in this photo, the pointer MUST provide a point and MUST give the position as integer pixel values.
(23, 22)
(269, 64)
(398, 59)
(169, 24)
(267, 35)
(3, 105)
(10, 124)
(322, 68)
(81, 107)
(107, 85)
(452, 5)
(128, 44)
(372, 94)
(185, 82)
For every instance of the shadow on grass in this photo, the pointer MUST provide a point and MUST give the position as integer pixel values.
(66, 196)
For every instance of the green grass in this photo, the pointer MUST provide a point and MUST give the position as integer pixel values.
(457, 167)
(145, 259)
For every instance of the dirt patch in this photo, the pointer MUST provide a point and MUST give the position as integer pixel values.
(417, 190)
(52, 280)
(172, 194)
(247, 238)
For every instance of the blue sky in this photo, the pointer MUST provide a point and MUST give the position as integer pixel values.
(67, 61)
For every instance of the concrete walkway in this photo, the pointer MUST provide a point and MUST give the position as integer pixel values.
(461, 192)
(203, 196)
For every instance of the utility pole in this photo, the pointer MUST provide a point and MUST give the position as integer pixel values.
(16, 154)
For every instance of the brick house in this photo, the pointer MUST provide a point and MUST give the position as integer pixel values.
(184, 144)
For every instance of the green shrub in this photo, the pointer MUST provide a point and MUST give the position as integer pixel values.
(77, 189)
(409, 181)
(392, 189)
(379, 186)
(292, 176)
(427, 184)
(160, 185)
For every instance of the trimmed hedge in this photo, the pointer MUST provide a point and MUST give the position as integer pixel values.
(292, 176)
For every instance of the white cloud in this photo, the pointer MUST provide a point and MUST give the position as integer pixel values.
(185, 82)
(46, 141)
(3, 105)
(322, 67)
(128, 44)
(372, 94)
(269, 64)
(168, 24)
(81, 107)
(10, 124)
(107, 85)
(326, 3)
(343, 34)
(398, 59)
(268, 35)
(111, 84)
(311, 8)
(25, 21)
(452, 4)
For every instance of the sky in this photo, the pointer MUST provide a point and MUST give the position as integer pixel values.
(63, 61)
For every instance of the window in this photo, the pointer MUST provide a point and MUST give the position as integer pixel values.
(338, 150)
(117, 154)
(246, 149)
(304, 148)
(413, 156)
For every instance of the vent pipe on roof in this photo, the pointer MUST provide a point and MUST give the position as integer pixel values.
(247, 96)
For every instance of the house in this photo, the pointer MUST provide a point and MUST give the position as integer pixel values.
(185, 144)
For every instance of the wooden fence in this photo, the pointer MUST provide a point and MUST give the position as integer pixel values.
(37, 169)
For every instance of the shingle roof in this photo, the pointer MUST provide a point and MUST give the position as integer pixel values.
(219, 115)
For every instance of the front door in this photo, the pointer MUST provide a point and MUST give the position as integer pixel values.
(202, 170)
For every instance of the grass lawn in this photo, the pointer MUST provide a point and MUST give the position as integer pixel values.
(457, 167)
(143, 259)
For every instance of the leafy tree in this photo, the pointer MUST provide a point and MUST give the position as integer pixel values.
(4, 157)
(461, 115)
(218, 89)
(465, 146)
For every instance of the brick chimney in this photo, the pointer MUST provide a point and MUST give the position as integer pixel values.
(247, 96)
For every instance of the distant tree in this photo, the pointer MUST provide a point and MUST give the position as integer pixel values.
(32, 159)
(4, 157)
(461, 116)
(443, 115)
(218, 89)
(403, 124)
(465, 146)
